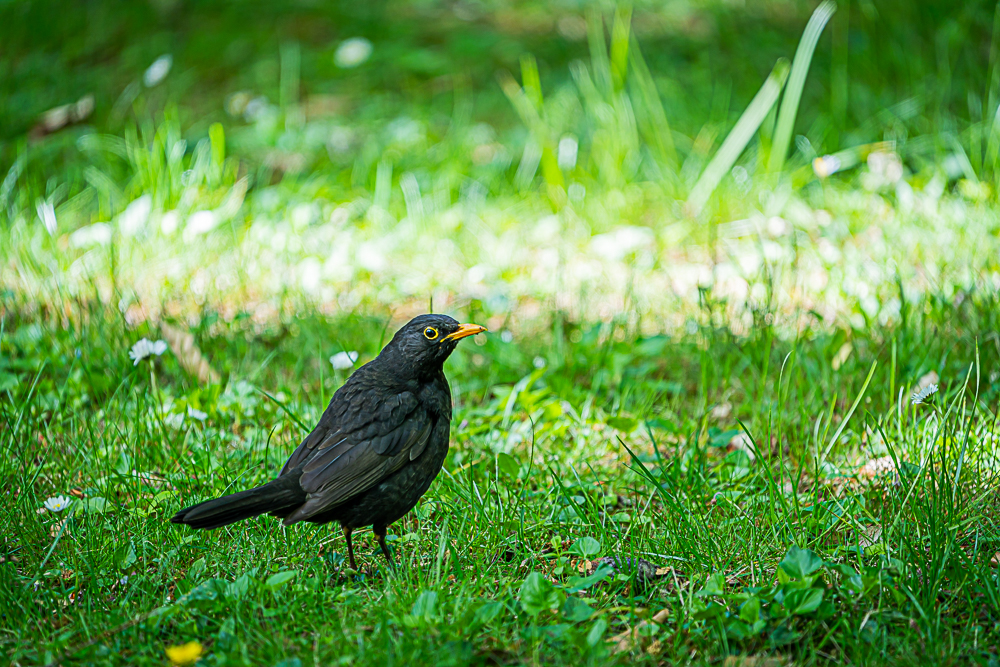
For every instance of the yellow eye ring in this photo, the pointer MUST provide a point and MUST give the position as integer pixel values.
(430, 333)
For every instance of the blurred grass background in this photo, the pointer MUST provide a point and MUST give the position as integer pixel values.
(215, 153)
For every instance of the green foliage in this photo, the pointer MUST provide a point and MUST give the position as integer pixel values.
(586, 547)
(538, 594)
(752, 466)
(498, 549)
(800, 563)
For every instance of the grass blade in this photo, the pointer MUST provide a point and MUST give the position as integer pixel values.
(284, 408)
(619, 46)
(739, 137)
(796, 80)
(599, 52)
(850, 413)
(651, 108)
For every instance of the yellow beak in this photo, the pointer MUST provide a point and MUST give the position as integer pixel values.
(465, 330)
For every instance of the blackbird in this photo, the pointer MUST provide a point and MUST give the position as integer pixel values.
(376, 449)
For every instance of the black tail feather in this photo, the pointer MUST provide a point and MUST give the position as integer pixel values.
(274, 496)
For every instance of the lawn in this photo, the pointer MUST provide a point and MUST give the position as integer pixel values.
(737, 405)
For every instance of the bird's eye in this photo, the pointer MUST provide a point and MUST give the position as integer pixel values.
(430, 333)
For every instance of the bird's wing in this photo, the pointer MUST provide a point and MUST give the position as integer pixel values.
(305, 448)
(350, 466)
(357, 415)
(347, 461)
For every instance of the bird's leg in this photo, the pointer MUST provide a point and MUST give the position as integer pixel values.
(350, 547)
(380, 533)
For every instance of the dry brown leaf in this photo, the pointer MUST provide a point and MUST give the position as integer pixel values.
(56, 119)
(742, 442)
(722, 411)
(871, 535)
(625, 641)
(319, 106)
(661, 616)
(59, 527)
(188, 355)
(632, 639)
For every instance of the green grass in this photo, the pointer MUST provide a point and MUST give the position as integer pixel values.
(702, 353)
(617, 446)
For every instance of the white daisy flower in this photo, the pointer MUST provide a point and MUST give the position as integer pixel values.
(827, 165)
(344, 360)
(98, 233)
(145, 348)
(174, 420)
(353, 52)
(158, 71)
(922, 395)
(568, 148)
(47, 213)
(58, 503)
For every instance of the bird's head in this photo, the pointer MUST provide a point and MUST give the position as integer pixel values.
(423, 343)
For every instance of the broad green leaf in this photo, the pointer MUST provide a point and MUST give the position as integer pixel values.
(723, 438)
(711, 611)
(587, 547)
(125, 555)
(783, 636)
(800, 563)
(662, 424)
(825, 611)
(508, 464)
(239, 588)
(575, 610)
(7, 381)
(280, 579)
(575, 584)
(538, 594)
(164, 612)
(95, 505)
(124, 465)
(425, 606)
(623, 424)
(227, 631)
(206, 590)
(845, 570)
(596, 632)
(487, 613)
(715, 585)
(196, 568)
(803, 601)
(737, 629)
(750, 611)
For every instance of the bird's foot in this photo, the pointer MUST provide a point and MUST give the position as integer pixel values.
(380, 534)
